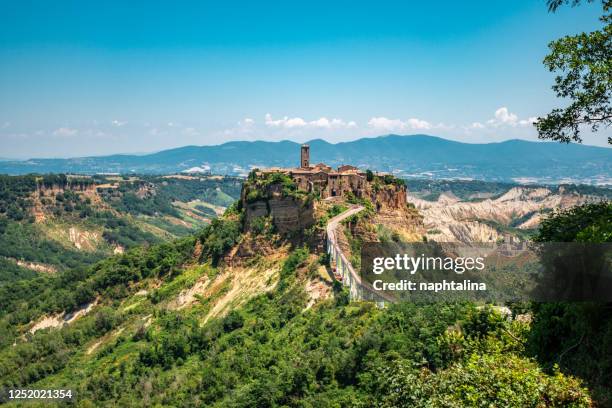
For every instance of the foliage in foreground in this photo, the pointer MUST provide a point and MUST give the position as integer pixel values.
(273, 352)
(577, 336)
(584, 66)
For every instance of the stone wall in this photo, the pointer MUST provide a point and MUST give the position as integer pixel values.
(288, 214)
(390, 196)
(291, 213)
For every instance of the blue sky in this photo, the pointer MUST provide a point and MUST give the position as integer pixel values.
(90, 78)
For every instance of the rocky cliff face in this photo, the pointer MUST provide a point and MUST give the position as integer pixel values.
(521, 208)
(389, 196)
(288, 213)
(293, 210)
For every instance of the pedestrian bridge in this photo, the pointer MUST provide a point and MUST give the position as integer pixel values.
(343, 269)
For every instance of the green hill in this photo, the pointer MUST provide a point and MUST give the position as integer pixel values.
(235, 318)
(57, 222)
(414, 155)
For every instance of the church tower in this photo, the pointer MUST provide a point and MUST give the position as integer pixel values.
(305, 156)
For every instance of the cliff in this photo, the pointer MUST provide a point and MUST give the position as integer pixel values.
(277, 196)
(288, 213)
(389, 196)
(518, 209)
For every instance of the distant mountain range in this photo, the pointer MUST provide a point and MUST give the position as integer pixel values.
(406, 156)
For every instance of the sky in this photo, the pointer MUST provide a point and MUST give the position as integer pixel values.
(92, 78)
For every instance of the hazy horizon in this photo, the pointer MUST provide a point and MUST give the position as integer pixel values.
(145, 153)
(79, 79)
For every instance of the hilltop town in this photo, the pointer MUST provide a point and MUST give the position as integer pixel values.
(322, 179)
(289, 195)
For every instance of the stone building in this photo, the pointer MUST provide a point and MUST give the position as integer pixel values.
(291, 213)
(305, 156)
(323, 179)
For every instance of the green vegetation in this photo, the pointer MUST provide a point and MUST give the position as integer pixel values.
(271, 352)
(23, 241)
(583, 63)
(385, 235)
(218, 237)
(126, 201)
(148, 195)
(133, 211)
(383, 180)
(363, 201)
(577, 336)
(16, 191)
(476, 190)
(331, 212)
(133, 349)
(336, 209)
(471, 190)
(219, 191)
(355, 243)
(586, 223)
(10, 271)
(262, 188)
(262, 226)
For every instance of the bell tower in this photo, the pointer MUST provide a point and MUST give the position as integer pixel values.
(305, 156)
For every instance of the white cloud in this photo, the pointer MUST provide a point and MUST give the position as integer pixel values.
(297, 122)
(503, 117)
(246, 122)
(528, 122)
(294, 122)
(285, 122)
(418, 124)
(503, 120)
(118, 123)
(385, 123)
(382, 123)
(65, 131)
(321, 122)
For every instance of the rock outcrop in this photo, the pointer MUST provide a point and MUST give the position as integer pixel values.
(450, 219)
(289, 213)
(391, 196)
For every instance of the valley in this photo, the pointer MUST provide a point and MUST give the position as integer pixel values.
(213, 204)
(408, 156)
(510, 212)
(52, 223)
(214, 300)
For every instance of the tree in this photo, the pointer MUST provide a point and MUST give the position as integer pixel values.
(584, 66)
(576, 336)
(585, 223)
(369, 175)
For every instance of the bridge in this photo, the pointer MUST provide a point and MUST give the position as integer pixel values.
(344, 270)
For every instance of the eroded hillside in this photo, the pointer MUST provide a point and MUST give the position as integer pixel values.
(515, 212)
(55, 222)
(243, 315)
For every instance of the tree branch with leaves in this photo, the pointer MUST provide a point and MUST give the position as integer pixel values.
(584, 66)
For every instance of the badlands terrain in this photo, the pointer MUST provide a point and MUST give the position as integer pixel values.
(513, 214)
